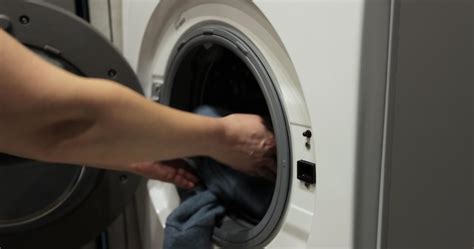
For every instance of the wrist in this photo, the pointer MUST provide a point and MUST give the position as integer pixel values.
(215, 139)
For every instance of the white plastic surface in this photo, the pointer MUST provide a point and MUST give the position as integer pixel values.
(314, 49)
(164, 198)
(135, 16)
(323, 39)
(297, 226)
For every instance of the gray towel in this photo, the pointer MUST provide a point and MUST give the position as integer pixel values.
(190, 225)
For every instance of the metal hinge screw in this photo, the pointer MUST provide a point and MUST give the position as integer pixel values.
(156, 87)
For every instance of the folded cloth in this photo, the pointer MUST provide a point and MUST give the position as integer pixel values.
(222, 190)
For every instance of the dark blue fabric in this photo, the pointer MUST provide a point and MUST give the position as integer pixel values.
(222, 190)
(242, 195)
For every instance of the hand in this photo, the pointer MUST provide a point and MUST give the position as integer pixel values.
(247, 145)
(173, 171)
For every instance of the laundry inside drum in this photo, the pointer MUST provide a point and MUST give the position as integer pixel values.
(212, 78)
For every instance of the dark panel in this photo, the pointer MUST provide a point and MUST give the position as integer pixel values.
(68, 5)
(82, 9)
(78, 7)
(430, 201)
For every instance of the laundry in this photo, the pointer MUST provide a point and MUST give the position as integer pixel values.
(222, 191)
(190, 225)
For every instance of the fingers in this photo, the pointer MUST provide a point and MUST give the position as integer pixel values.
(187, 176)
(249, 145)
(168, 171)
(181, 180)
(179, 176)
(270, 149)
(183, 169)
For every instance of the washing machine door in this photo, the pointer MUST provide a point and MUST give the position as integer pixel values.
(44, 205)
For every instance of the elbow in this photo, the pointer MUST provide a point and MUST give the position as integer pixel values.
(61, 141)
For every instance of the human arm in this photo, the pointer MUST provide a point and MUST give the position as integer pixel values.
(51, 115)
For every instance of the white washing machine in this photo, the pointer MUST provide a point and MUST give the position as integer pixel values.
(370, 101)
(352, 154)
(263, 35)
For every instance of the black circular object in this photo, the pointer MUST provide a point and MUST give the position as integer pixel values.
(24, 19)
(44, 205)
(112, 73)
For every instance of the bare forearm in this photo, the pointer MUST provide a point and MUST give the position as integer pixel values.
(127, 128)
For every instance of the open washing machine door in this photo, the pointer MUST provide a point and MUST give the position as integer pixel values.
(45, 205)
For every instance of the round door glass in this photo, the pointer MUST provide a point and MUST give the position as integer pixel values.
(30, 189)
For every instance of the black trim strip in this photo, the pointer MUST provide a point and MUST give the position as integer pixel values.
(82, 9)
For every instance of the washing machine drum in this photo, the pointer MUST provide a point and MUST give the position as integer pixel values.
(44, 205)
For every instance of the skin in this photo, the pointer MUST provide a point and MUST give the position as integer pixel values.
(51, 115)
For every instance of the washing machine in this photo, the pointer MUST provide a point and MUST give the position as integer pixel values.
(370, 102)
(362, 101)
